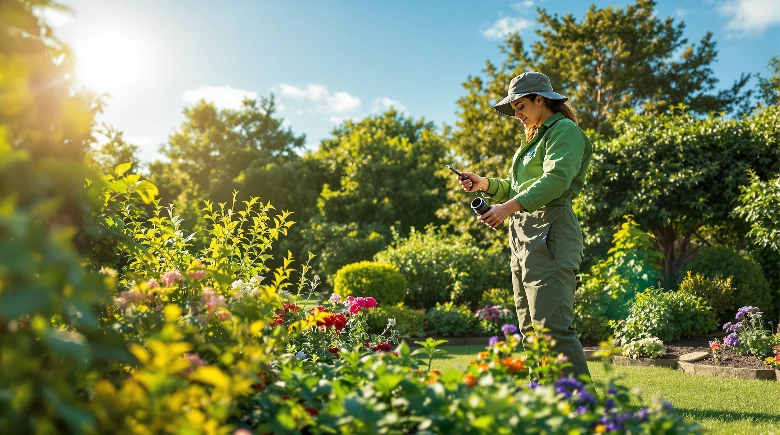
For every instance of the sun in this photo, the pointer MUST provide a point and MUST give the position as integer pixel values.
(112, 61)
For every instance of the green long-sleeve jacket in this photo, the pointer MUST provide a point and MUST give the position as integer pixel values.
(550, 169)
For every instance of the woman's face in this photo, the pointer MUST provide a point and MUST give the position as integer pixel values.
(528, 111)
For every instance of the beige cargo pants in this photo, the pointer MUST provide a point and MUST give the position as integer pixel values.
(546, 250)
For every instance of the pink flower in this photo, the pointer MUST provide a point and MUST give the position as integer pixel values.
(335, 298)
(152, 284)
(367, 302)
(171, 278)
(197, 274)
(211, 299)
(349, 301)
(223, 316)
(127, 298)
(195, 361)
(355, 308)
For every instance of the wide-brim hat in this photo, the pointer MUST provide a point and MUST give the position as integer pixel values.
(525, 84)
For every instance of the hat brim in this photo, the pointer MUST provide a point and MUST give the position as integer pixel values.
(504, 106)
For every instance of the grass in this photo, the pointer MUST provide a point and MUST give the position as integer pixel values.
(719, 405)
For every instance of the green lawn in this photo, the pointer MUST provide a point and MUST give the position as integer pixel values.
(721, 406)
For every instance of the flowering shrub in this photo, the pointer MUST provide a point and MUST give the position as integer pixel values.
(491, 317)
(717, 350)
(650, 347)
(747, 335)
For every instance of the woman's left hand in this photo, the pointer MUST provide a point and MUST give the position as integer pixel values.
(498, 213)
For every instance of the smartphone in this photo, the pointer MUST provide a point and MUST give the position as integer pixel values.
(462, 177)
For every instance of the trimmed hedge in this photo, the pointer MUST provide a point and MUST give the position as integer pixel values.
(381, 281)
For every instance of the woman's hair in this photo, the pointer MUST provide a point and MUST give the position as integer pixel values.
(562, 106)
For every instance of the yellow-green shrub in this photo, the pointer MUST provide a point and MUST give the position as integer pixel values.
(381, 281)
(718, 292)
(409, 321)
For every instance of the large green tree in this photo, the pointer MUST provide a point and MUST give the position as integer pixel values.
(680, 177)
(385, 167)
(214, 151)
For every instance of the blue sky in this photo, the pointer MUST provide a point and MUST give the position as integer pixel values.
(330, 60)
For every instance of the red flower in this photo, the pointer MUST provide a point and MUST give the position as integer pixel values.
(313, 412)
(383, 347)
(334, 350)
(285, 397)
(290, 307)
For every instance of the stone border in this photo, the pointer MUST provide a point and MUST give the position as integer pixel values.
(729, 372)
(644, 362)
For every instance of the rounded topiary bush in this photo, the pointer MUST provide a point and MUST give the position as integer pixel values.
(501, 297)
(381, 281)
(718, 292)
(410, 322)
(752, 287)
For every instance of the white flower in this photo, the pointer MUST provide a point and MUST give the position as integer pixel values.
(238, 284)
(390, 322)
(257, 279)
(335, 298)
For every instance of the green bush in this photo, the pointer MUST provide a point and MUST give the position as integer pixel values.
(752, 287)
(449, 319)
(718, 292)
(498, 297)
(607, 291)
(410, 322)
(668, 316)
(441, 267)
(381, 281)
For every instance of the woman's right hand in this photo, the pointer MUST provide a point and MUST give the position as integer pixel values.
(474, 182)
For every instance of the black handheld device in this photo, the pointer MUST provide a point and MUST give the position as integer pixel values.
(480, 206)
(462, 177)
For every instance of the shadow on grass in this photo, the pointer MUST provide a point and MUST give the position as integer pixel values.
(727, 416)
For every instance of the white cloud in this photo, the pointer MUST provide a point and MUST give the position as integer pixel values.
(54, 17)
(327, 101)
(383, 104)
(224, 97)
(523, 6)
(505, 26)
(681, 12)
(750, 16)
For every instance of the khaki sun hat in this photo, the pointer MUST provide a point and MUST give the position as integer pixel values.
(527, 83)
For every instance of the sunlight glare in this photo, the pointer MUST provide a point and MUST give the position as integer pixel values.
(112, 62)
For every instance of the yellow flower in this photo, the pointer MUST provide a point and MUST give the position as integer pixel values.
(769, 361)
(601, 429)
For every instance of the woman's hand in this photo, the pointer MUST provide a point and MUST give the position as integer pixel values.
(473, 182)
(499, 212)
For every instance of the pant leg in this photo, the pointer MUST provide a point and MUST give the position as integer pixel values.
(549, 252)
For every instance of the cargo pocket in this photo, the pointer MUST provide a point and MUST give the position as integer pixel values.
(549, 241)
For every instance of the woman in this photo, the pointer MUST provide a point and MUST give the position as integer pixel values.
(548, 170)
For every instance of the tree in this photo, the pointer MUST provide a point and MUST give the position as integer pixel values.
(386, 171)
(114, 151)
(769, 88)
(680, 177)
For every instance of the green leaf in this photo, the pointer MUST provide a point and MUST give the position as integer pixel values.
(147, 191)
(121, 169)
(70, 345)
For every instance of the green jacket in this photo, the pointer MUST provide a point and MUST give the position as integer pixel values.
(548, 170)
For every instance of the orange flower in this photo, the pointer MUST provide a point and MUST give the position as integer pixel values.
(506, 362)
(483, 367)
(517, 366)
(484, 355)
(436, 372)
(470, 380)
(544, 361)
(472, 362)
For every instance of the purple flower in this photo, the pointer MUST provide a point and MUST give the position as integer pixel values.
(581, 409)
(609, 404)
(493, 341)
(509, 329)
(742, 312)
(567, 386)
(643, 414)
(735, 327)
(731, 340)
(533, 384)
(727, 326)
(612, 392)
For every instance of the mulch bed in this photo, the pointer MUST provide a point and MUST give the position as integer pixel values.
(702, 344)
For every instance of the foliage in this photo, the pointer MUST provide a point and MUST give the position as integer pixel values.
(748, 279)
(114, 151)
(607, 291)
(492, 318)
(409, 322)
(717, 292)
(385, 170)
(650, 347)
(502, 297)
(360, 394)
(669, 316)
(441, 267)
(449, 320)
(747, 335)
(774, 361)
(769, 88)
(758, 203)
(381, 280)
(679, 176)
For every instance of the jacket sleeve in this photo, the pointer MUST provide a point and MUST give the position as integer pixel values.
(562, 160)
(499, 190)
